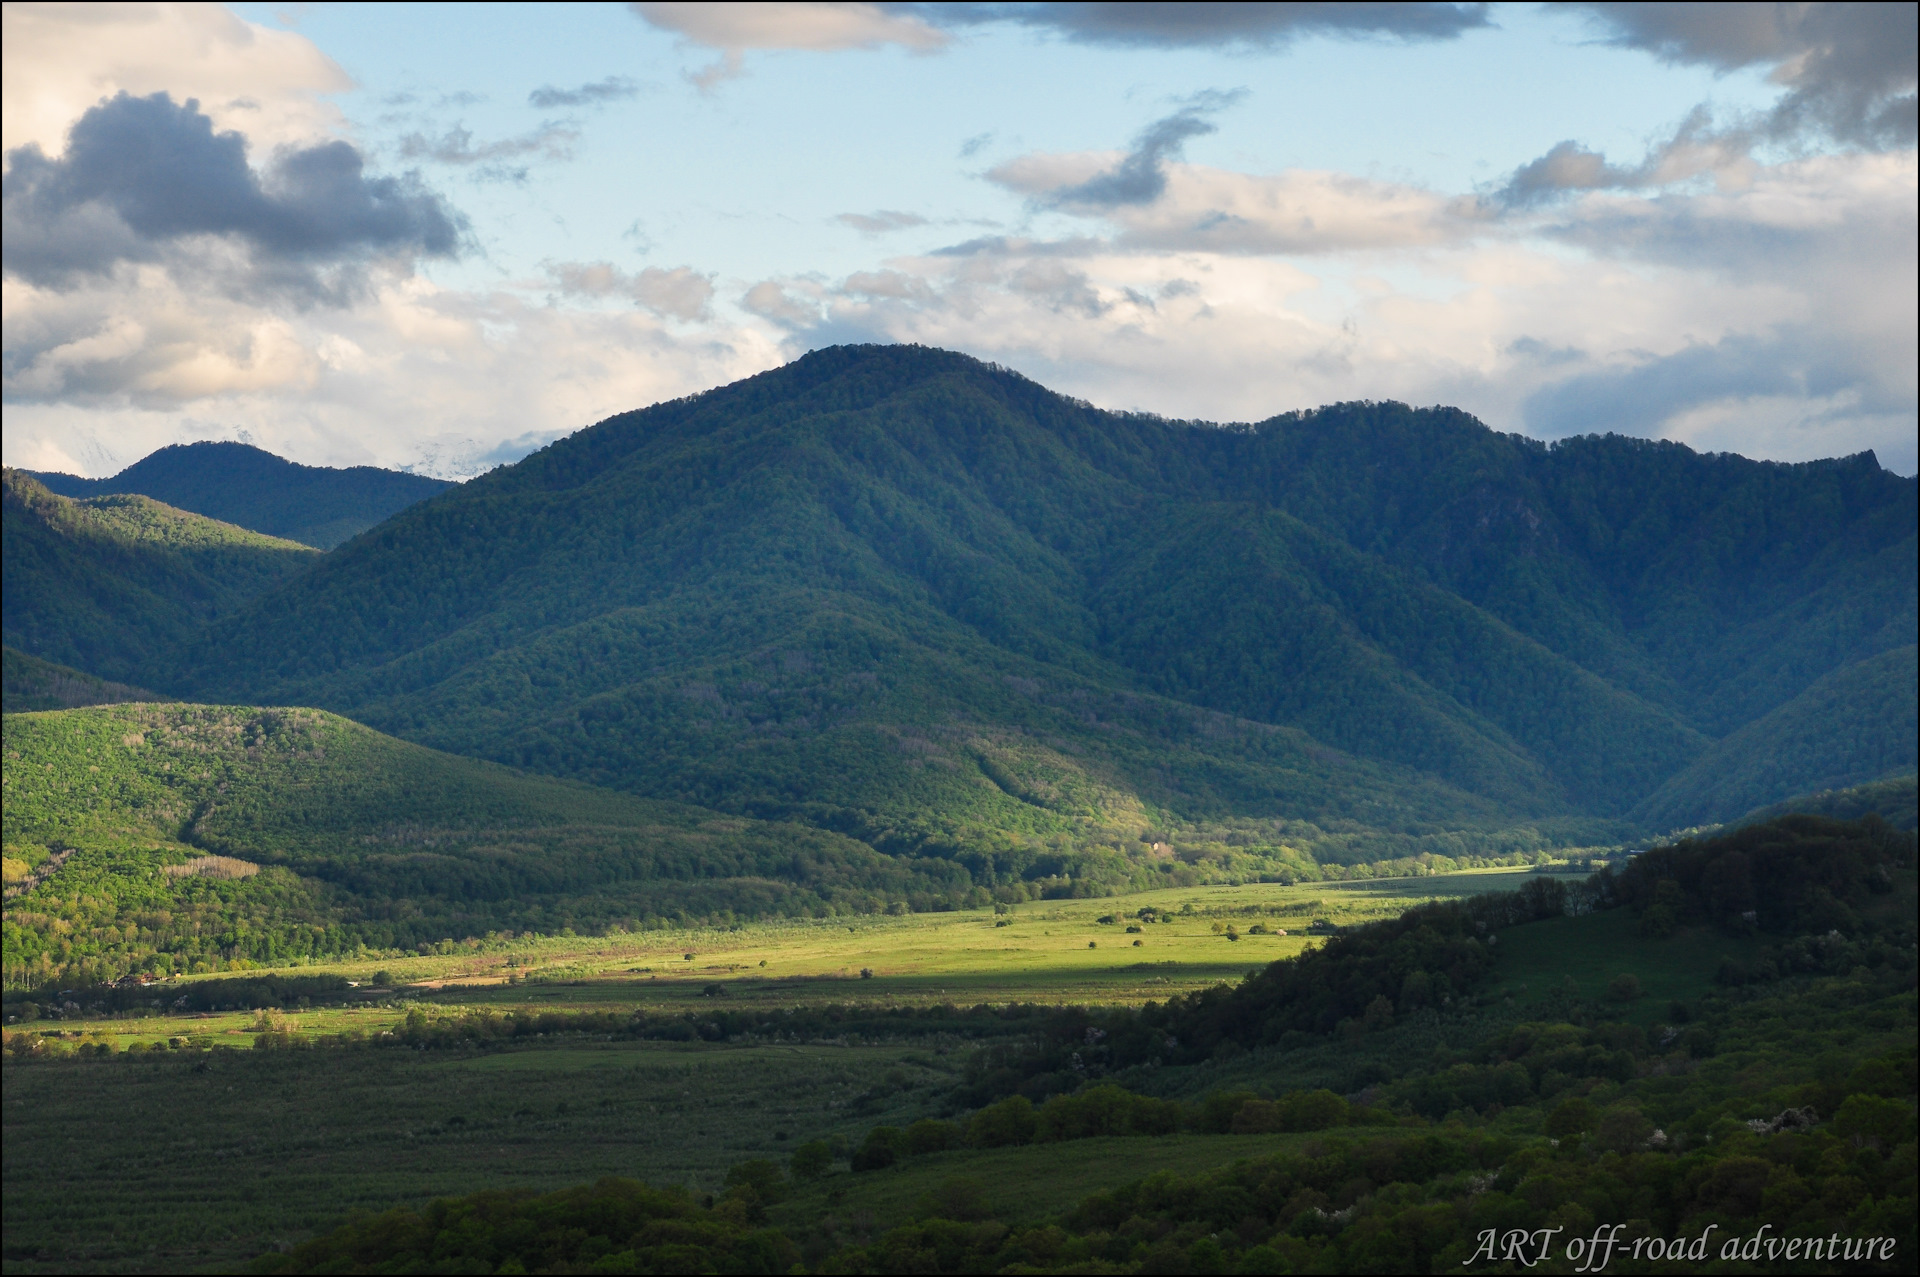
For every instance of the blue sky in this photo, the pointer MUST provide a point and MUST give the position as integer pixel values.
(1686, 221)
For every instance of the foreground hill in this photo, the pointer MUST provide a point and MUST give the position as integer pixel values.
(900, 593)
(106, 584)
(251, 488)
(166, 836)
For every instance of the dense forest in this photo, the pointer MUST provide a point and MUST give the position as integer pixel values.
(829, 592)
(251, 488)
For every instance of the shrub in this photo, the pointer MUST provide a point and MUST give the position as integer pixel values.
(1011, 1121)
(813, 1160)
(932, 1136)
(1624, 987)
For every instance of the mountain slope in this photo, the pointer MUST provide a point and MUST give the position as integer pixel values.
(1857, 724)
(815, 593)
(105, 584)
(250, 488)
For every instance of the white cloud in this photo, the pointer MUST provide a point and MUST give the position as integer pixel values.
(449, 382)
(60, 59)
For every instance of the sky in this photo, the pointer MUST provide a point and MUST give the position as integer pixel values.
(437, 237)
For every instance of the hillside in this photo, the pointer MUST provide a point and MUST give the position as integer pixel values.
(899, 593)
(107, 584)
(165, 836)
(1857, 724)
(251, 488)
(29, 683)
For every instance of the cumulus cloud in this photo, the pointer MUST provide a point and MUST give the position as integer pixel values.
(142, 179)
(681, 293)
(445, 381)
(60, 60)
(1848, 71)
(615, 88)
(772, 300)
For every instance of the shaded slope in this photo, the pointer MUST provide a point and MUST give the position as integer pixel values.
(29, 683)
(107, 583)
(1857, 724)
(251, 488)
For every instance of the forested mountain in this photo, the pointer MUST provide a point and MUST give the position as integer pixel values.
(901, 594)
(243, 485)
(109, 584)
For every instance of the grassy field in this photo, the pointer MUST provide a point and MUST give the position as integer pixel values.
(1053, 952)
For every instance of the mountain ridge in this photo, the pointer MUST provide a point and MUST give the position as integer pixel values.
(985, 514)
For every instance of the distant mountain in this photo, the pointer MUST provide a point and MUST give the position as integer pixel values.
(245, 486)
(108, 584)
(903, 595)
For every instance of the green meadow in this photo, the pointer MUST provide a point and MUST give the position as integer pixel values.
(1043, 952)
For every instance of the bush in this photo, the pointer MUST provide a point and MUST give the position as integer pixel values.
(932, 1136)
(1294, 1111)
(1624, 987)
(812, 1160)
(1011, 1121)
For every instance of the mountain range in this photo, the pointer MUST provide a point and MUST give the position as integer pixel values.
(923, 603)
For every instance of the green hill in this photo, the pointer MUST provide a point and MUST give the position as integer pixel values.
(106, 584)
(246, 486)
(165, 836)
(1857, 724)
(902, 594)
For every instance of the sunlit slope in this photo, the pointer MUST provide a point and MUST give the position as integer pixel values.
(1855, 725)
(810, 592)
(107, 583)
(340, 836)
